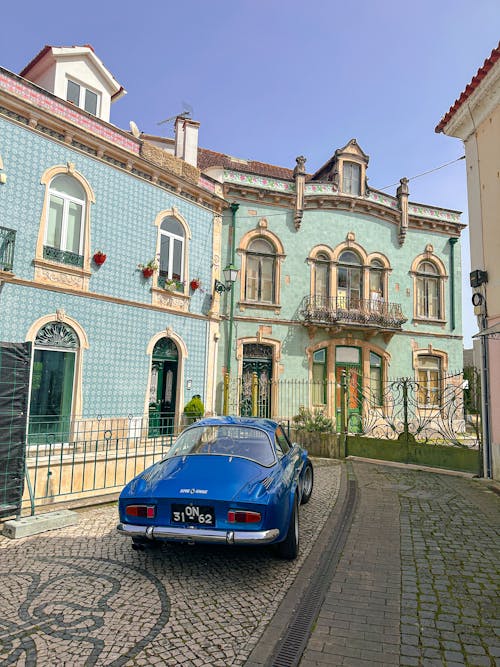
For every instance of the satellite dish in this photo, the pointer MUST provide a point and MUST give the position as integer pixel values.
(134, 129)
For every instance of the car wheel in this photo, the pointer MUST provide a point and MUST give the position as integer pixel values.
(289, 548)
(307, 483)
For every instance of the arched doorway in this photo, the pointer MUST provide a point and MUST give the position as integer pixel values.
(257, 358)
(52, 383)
(163, 388)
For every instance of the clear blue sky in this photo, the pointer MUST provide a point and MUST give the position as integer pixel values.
(271, 80)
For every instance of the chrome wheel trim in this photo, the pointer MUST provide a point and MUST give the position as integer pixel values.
(308, 481)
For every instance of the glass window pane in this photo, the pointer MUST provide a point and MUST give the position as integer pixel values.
(177, 260)
(54, 224)
(73, 93)
(173, 226)
(67, 185)
(349, 257)
(376, 385)
(164, 254)
(74, 228)
(90, 102)
(322, 280)
(318, 392)
(319, 357)
(252, 279)
(347, 355)
(261, 246)
(267, 276)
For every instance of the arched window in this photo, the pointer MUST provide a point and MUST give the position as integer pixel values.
(64, 230)
(349, 280)
(376, 280)
(172, 250)
(321, 279)
(260, 272)
(428, 285)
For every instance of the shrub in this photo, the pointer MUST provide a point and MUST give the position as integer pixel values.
(313, 421)
(194, 409)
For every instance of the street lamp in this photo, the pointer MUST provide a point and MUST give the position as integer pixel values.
(230, 275)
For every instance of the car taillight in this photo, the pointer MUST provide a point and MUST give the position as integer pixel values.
(243, 516)
(144, 511)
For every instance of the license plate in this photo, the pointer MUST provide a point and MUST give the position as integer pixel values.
(193, 514)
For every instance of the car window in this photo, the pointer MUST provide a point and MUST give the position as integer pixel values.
(281, 442)
(230, 440)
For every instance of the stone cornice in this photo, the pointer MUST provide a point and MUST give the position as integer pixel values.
(375, 204)
(20, 103)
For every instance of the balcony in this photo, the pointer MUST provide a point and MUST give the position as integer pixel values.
(7, 244)
(342, 312)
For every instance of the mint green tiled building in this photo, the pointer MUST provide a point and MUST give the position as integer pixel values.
(334, 277)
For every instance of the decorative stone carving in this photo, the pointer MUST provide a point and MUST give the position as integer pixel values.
(60, 314)
(173, 301)
(262, 223)
(63, 279)
(402, 194)
(429, 249)
(350, 238)
(299, 174)
(71, 167)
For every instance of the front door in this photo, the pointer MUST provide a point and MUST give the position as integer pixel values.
(163, 388)
(257, 359)
(348, 361)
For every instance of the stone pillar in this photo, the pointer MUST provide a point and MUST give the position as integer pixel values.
(402, 194)
(299, 174)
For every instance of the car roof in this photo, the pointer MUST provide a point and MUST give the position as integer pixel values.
(268, 425)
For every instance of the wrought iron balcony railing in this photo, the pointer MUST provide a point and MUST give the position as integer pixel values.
(7, 244)
(62, 256)
(376, 313)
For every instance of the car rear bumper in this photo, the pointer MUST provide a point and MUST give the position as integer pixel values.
(195, 535)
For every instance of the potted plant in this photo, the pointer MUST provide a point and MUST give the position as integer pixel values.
(195, 284)
(173, 285)
(99, 257)
(194, 409)
(149, 268)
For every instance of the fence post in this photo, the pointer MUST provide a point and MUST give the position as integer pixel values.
(255, 395)
(406, 429)
(225, 407)
(343, 415)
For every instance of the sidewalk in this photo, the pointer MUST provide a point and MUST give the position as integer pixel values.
(417, 582)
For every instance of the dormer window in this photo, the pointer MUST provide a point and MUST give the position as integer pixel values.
(82, 97)
(351, 178)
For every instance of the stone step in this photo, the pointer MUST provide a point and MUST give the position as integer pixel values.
(32, 525)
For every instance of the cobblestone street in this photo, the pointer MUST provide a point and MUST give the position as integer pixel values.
(82, 596)
(415, 584)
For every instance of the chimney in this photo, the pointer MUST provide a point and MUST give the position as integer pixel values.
(186, 139)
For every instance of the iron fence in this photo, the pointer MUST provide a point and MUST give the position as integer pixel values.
(80, 457)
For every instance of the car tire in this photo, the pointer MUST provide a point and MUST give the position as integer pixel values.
(307, 483)
(289, 548)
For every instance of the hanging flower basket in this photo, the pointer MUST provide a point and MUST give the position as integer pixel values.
(147, 272)
(195, 284)
(99, 257)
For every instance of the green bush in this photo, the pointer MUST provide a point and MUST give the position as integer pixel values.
(313, 421)
(194, 409)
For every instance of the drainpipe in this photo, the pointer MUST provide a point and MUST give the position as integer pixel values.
(234, 208)
(452, 243)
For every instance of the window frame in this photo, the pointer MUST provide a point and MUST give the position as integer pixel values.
(260, 258)
(279, 256)
(420, 284)
(348, 182)
(67, 200)
(425, 384)
(82, 96)
(171, 250)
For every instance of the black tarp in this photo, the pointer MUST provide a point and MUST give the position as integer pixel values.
(14, 383)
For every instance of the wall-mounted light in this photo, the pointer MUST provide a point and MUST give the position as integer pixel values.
(230, 275)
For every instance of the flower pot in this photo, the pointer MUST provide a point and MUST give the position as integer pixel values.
(99, 258)
(147, 273)
(194, 285)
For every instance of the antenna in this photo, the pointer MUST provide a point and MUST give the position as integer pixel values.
(187, 111)
(134, 129)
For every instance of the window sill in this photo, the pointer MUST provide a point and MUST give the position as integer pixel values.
(63, 275)
(243, 305)
(426, 320)
(170, 300)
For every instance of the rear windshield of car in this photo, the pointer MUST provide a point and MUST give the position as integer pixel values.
(246, 442)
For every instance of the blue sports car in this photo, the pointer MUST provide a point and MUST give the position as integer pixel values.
(226, 480)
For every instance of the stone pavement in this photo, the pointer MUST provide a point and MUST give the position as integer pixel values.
(418, 579)
(81, 595)
(414, 584)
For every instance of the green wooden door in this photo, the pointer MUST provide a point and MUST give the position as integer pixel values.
(163, 388)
